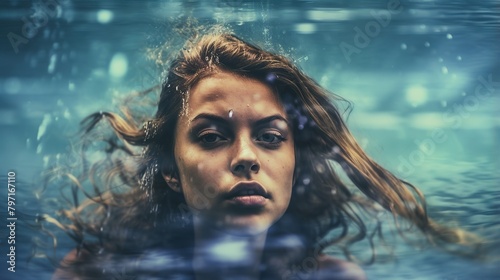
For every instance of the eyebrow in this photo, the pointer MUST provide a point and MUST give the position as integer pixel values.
(218, 118)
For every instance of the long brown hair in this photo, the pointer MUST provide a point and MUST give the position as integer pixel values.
(149, 213)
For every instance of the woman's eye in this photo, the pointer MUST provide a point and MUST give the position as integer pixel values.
(270, 138)
(210, 138)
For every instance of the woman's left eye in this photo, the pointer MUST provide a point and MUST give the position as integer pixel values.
(270, 138)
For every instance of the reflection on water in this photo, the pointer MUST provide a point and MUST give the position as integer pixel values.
(423, 76)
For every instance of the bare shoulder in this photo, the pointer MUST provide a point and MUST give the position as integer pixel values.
(64, 270)
(331, 268)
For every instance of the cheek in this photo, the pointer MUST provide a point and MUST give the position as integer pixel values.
(199, 170)
(289, 173)
(193, 189)
(284, 176)
(289, 170)
(200, 177)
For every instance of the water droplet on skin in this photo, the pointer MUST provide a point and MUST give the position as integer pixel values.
(200, 166)
(231, 113)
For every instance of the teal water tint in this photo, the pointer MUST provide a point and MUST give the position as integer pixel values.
(424, 78)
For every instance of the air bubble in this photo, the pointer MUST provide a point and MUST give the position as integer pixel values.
(52, 64)
(12, 85)
(320, 168)
(336, 149)
(449, 36)
(300, 190)
(271, 77)
(118, 66)
(104, 16)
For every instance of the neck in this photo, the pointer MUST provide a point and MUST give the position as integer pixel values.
(222, 255)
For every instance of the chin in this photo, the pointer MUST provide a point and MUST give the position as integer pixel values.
(243, 226)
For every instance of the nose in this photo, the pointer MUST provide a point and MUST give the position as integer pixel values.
(244, 161)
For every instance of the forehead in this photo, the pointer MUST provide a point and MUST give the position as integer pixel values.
(228, 91)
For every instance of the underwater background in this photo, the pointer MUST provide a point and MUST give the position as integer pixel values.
(423, 76)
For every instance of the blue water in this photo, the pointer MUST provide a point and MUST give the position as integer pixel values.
(413, 79)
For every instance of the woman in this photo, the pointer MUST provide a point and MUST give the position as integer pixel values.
(236, 180)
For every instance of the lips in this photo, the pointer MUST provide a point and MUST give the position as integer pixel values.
(248, 194)
(247, 189)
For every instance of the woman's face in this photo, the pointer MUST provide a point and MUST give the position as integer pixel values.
(235, 154)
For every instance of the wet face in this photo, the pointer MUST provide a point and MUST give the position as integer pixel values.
(235, 154)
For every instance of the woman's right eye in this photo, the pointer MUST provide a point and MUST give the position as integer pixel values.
(209, 138)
